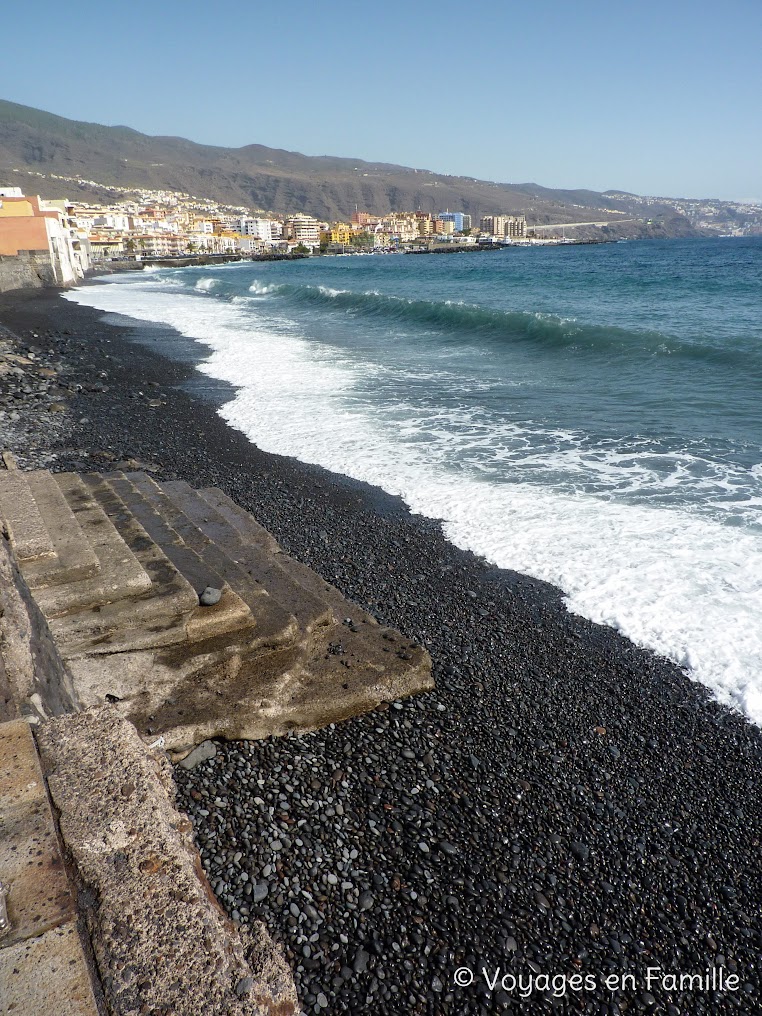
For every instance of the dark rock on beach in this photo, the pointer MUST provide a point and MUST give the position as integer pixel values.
(564, 803)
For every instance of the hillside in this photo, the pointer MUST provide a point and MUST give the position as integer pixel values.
(34, 142)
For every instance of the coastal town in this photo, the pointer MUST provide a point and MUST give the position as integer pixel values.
(146, 225)
(59, 240)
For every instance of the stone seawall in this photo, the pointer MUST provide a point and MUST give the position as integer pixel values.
(133, 265)
(29, 269)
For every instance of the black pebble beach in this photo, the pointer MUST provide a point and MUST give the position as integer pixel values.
(562, 804)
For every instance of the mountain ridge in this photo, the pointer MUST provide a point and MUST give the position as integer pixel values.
(35, 141)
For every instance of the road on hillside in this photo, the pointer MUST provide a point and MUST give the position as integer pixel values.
(568, 225)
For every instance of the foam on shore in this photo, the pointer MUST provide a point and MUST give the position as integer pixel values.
(684, 585)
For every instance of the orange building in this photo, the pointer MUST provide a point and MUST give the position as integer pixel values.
(40, 230)
(22, 225)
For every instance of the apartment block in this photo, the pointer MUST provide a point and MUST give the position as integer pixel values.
(460, 220)
(259, 228)
(508, 226)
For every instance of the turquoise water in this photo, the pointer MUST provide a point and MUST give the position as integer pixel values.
(586, 414)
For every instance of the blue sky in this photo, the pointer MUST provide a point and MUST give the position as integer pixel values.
(652, 97)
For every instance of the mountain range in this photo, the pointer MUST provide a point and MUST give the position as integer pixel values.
(36, 146)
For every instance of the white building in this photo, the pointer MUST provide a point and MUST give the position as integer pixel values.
(304, 229)
(44, 233)
(262, 229)
(112, 221)
(250, 244)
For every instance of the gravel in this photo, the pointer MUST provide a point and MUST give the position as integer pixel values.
(563, 803)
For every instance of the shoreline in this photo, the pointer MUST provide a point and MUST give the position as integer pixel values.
(584, 806)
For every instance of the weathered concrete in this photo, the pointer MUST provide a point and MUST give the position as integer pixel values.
(280, 651)
(74, 559)
(189, 693)
(157, 617)
(26, 528)
(252, 566)
(47, 976)
(244, 529)
(196, 571)
(231, 612)
(43, 968)
(161, 941)
(34, 681)
(119, 574)
(30, 862)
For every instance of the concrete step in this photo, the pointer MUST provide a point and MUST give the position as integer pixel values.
(18, 510)
(250, 532)
(47, 975)
(231, 528)
(349, 671)
(332, 675)
(120, 574)
(282, 651)
(156, 616)
(239, 519)
(231, 612)
(259, 557)
(74, 559)
(358, 663)
(274, 624)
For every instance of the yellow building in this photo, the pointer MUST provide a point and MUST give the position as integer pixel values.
(16, 208)
(341, 232)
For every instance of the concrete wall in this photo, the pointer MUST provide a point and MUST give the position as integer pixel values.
(29, 269)
(34, 682)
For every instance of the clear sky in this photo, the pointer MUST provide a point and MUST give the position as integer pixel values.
(652, 97)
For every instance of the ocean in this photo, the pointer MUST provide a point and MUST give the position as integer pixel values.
(588, 415)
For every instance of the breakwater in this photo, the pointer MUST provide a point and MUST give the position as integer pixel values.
(130, 264)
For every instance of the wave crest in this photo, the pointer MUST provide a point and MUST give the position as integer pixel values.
(261, 289)
(464, 321)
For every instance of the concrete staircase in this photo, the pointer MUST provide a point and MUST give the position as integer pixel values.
(117, 562)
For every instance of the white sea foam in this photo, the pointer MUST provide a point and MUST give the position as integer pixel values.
(206, 285)
(686, 586)
(260, 288)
